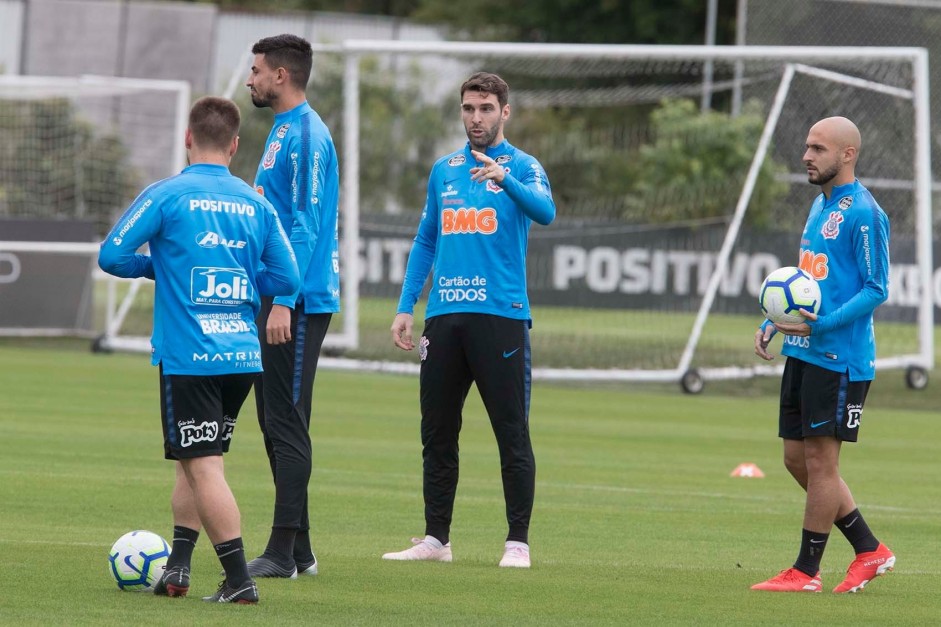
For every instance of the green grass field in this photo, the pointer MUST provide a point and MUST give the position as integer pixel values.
(636, 522)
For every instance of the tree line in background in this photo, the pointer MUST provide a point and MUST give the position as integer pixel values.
(555, 21)
(689, 165)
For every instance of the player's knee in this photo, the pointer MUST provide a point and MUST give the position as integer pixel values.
(794, 464)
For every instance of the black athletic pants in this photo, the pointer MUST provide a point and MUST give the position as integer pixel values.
(283, 396)
(493, 352)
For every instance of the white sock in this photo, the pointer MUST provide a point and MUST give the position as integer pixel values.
(433, 542)
(512, 544)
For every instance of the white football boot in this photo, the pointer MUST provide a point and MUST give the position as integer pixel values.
(423, 549)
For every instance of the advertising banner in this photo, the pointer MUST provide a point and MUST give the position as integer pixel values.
(45, 291)
(658, 267)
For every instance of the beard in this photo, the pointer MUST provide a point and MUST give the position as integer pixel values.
(486, 140)
(824, 176)
(262, 100)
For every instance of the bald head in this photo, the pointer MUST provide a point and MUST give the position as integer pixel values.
(832, 149)
(841, 131)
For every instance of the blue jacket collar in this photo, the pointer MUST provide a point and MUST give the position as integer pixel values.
(500, 149)
(843, 190)
(207, 168)
(293, 114)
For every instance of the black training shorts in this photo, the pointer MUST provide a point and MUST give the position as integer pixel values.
(199, 412)
(819, 402)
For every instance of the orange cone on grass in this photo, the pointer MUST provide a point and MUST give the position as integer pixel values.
(747, 469)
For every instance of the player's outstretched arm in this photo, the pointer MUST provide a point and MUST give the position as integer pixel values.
(531, 191)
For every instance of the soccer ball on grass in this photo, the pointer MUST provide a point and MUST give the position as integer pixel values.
(137, 560)
(785, 291)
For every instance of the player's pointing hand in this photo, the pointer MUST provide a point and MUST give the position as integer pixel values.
(489, 170)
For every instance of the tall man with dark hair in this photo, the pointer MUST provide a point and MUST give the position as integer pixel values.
(300, 176)
(831, 358)
(474, 230)
(215, 246)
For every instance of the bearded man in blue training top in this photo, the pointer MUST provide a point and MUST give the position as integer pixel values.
(299, 174)
(474, 229)
(831, 357)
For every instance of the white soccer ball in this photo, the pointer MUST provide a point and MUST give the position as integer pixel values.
(137, 560)
(785, 291)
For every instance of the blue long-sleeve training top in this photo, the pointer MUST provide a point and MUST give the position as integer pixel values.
(215, 246)
(845, 247)
(299, 174)
(475, 235)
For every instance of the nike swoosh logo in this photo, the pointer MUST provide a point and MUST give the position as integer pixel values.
(814, 425)
(817, 541)
(507, 355)
(851, 523)
(228, 599)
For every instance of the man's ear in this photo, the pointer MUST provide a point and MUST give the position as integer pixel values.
(188, 139)
(849, 154)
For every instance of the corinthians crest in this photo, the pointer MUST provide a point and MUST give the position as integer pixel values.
(832, 227)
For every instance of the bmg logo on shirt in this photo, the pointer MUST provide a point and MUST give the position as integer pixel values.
(228, 287)
(469, 220)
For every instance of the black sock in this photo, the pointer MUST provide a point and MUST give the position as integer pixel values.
(281, 545)
(184, 541)
(232, 555)
(303, 552)
(518, 534)
(854, 527)
(812, 546)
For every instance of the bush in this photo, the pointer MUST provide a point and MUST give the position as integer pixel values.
(696, 165)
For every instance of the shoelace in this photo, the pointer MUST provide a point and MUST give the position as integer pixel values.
(421, 541)
(792, 574)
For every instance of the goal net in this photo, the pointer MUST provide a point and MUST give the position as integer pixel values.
(75, 152)
(669, 216)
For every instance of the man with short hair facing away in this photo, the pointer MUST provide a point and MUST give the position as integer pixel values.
(300, 176)
(215, 246)
(831, 358)
(473, 232)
